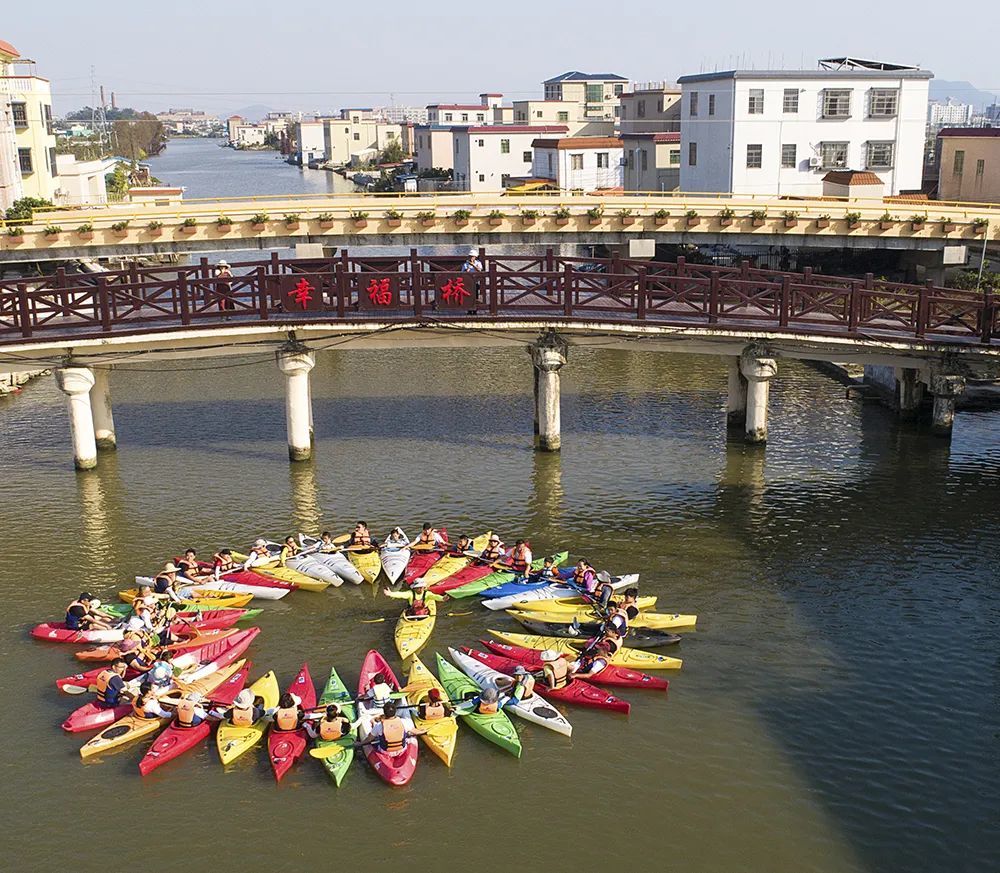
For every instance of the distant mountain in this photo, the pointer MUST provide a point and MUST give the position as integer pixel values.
(961, 92)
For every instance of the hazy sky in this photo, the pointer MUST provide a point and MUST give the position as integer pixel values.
(221, 55)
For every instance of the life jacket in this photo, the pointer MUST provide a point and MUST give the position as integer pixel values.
(418, 605)
(262, 551)
(485, 708)
(491, 553)
(580, 576)
(73, 621)
(428, 537)
(287, 719)
(393, 734)
(520, 559)
(361, 539)
(288, 552)
(333, 730)
(433, 711)
(527, 684)
(222, 564)
(185, 713)
(557, 672)
(241, 717)
(381, 693)
(161, 584)
(104, 694)
(615, 644)
(139, 710)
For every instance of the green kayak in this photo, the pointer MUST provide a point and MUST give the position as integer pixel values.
(336, 692)
(500, 577)
(495, 728)
(124, 610)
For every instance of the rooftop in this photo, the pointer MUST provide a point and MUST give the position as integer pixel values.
(518, 128)
(577, 76)
(458, 106)
(969, 131)
(7, 49)
(579, 142)
(852, 177)
(848, 70)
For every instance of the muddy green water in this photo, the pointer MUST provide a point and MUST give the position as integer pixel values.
(838, 706)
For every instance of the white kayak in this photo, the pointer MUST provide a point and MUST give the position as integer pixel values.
(336, 561)
(553, 592)
(535, 709)
(260, 592)
(305, 564)
(394, 561)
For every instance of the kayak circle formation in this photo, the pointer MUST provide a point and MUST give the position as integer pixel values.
(170, 658)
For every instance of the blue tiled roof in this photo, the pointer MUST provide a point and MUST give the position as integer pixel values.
(577, 76)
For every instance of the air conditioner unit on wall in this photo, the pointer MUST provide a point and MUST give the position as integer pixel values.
(815, 163)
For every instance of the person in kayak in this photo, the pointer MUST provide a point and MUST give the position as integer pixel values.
(429, 537)
(611, 639)
(361, 536)
(222, 562)
(390, 730)
(111, 687)
(555, 670)
(146, 596)
(464, 546)
(433, 707)
(289, 549)
(521, 558)
(493, 552)
(289, 714)
(583, 576)
(592, 662)
(379, 692)
(396, 539)
(416, 597)
(259, 553)
(488, 701)
(546, 573)
(524, 684)
(245, 711)
(165, 582)
(603, 590)
(161, 677)
(141, 619)
(135, 655)
(190, 568)
(333, 725)
(81, 614)
(188, 713)
(147, 705)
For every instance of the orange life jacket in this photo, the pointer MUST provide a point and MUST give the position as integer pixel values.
(185, 713)
(263, 551)
(485, 708)
(333, 730)
(394, 734)
(241, 717)
(518, 558)
(527, 683)
(430, 537)
(287, 719)
(102, 682)
(491, 553)
(615, 643)
(557, 672)
(361, 539)
(139, 709)
(433, 711)
(222, 564)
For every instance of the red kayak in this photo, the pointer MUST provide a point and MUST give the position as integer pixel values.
(57, 632)
(246, 577)
(395, 768)
(619, 677)
(284, 748)
(577, 691)
(92, 716)
(420, 562)
(471, 573)
(194, 641)
(175, 740)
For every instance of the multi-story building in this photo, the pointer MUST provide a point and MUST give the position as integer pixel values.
(652, 161)
(560, 112)
(779, 132)
(949, 114)
(356, 132)
(30, 100)
(969, 166)
(310, 143)
(486, 158)
(187, 121)
(596, 94)
(10, 172)
(402, 114)
(650, 107)
(579, 163)
(433, 147)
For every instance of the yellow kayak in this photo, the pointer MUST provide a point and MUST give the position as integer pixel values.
(273, 569)
(649, 620)
(204, 597)
(132, 727)
(444, 735)
(233, 741)
(413, 632)
(449, 564)
(636, 659)
(571, 605)
(368, 562)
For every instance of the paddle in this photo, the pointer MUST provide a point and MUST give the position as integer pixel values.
(338, 746)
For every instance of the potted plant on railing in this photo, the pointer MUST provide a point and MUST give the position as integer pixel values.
(626, 217)
(426, 217)
(726, 217)
(790, 217)
(561, 215)
(359, 218)
(461, 217)
(155, 228)
(660, 217)
(292, 220)
(979, 225)
(393, 217)
(85, 231)
(325, 220)
(52, 232)
(223, 224)
(757, 217)
(595, 214)
(853, 220)
(15, 235)
(823, 220)
(886, 220)
(495, 217)
(189, 225)
(948, 225)
(120, 229)
(258, 221)
(917, 222)
(529, 216)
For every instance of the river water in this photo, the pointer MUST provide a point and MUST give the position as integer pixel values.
(838, 707)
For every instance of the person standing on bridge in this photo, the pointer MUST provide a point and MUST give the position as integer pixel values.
(223, 286)
(472, 264)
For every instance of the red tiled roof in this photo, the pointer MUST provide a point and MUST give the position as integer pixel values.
(669, 136)
(970, 131)
(8, 49)
(852, 177)
(579, 142)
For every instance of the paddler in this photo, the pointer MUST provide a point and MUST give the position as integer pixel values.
(146, 705)
(488, 701)
(429, 537)
(141, 619)
(188, 713)
(583, 576)
(289, 714)
(464, 546)
(361, 536)
(548, 572)
(494, 550)
(245, 711)
(81, 614)
(333, 725)
(259, 553)
(396, 539)
(111, 688)
(592, 661)
(222, 562)
(520, 558)
(289, 549)
(603, 590)
(416, 597)
(524, 684)
(380, 691)
(612, 638)
(165, 582)
(135, 655)
(433, 707)
(391, 730)
(146, 596)
(555, 670)
(326, 543)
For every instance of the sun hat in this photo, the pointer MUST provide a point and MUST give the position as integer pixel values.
(171, 567)
(473, 252)
(244, 699)
(418, 583)
(260, 541)
(604, 576)
(549, 655)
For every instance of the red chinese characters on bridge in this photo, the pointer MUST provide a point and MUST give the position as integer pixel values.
(453, 293)
(301, 294)
(380, 292)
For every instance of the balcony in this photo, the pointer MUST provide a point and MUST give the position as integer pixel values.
(19, 86)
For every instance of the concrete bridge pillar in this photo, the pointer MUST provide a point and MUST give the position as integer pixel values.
(945, 390)
(909, 391)
(100, 401)
(758, 368)
(736, 402)
(548, 356)
(75, 383)
(296, 362)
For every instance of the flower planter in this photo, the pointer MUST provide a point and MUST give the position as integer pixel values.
(948, 227)
(359, 224)
(223, 228)
(120, 234)
(791, 222)
(693, 222)
(626, 221)
(187, 229)
(461, 222)
(16, 240)
(496, 222)
(593, 222)
(291, 225)
(916, 226)
(393, 222)
(822, 222)
(725, 222)
(154, 231)
(326, 225)
(661, 220)
(979, 229)
(52, 237)
(756, 222)
(257, 226)
(885, 225)
(562, 221)
(87, 234)
(527, 222)
(853, 225)
(427, 222)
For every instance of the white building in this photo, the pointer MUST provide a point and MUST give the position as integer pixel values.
(310, 143)
(82, 183)
(596, 94)
(949, 114)
(778, 132)
(579, 163)
(402, 114)
(486, 158)
(652, 161)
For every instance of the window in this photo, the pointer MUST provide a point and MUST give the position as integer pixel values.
(20, 114)
(504, 180)
(878, 155)
(576, 162)
(447, 116)
(692, 154)
(836, 103)
(619, 89)
(693, 104)
(480, 116)
(602, 160)
(882, 102)
(959, 164)
(644, 160)
(480, 142)
(47, 114)
(755, 156)
(980, 170)
(675, 157)
(640, 109)
(755, 101)
(563, 116)
(505, 146)
(833, 154)
(788, 157)
(53, 166)
(553, 92)
(465, 116)
(357, 136)
(711, 104)
(24, 159)
(595, 93)
(790, 100)
(526, 157)
(519, 116)
(482, 178)
(391, 134)
(538, 113)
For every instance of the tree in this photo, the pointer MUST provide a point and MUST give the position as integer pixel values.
(391, 154)
(141, 137)
(23, 209)
(117, 182)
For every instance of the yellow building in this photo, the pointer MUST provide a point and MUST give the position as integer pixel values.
(969, 164)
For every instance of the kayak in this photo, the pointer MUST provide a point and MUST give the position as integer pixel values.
(198, 638)
(233, 741)
(57, 632)
(574, 606)
(625, 657)
(367, 562)
(302, 563)
(124, 610)
(394, 561)
(284, 748)
(394, 768)
(515, 593)
(272, 570)
(131, 727)
(204, 597)
(413, 632)
(444, 734)
(336, 691)
(637, 639)
(612, 675)
(422, 559)
(576, 691)
(498, 578)
(496, 728)
(237, 582)
(471, 572)
(192, 665)
(453, 563)
(534, 709)
(176, 739)
(335, 560)
(650, 620)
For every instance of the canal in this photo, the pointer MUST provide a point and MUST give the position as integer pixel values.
(837, 711)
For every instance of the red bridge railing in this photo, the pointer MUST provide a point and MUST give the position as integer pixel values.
(149, 299)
